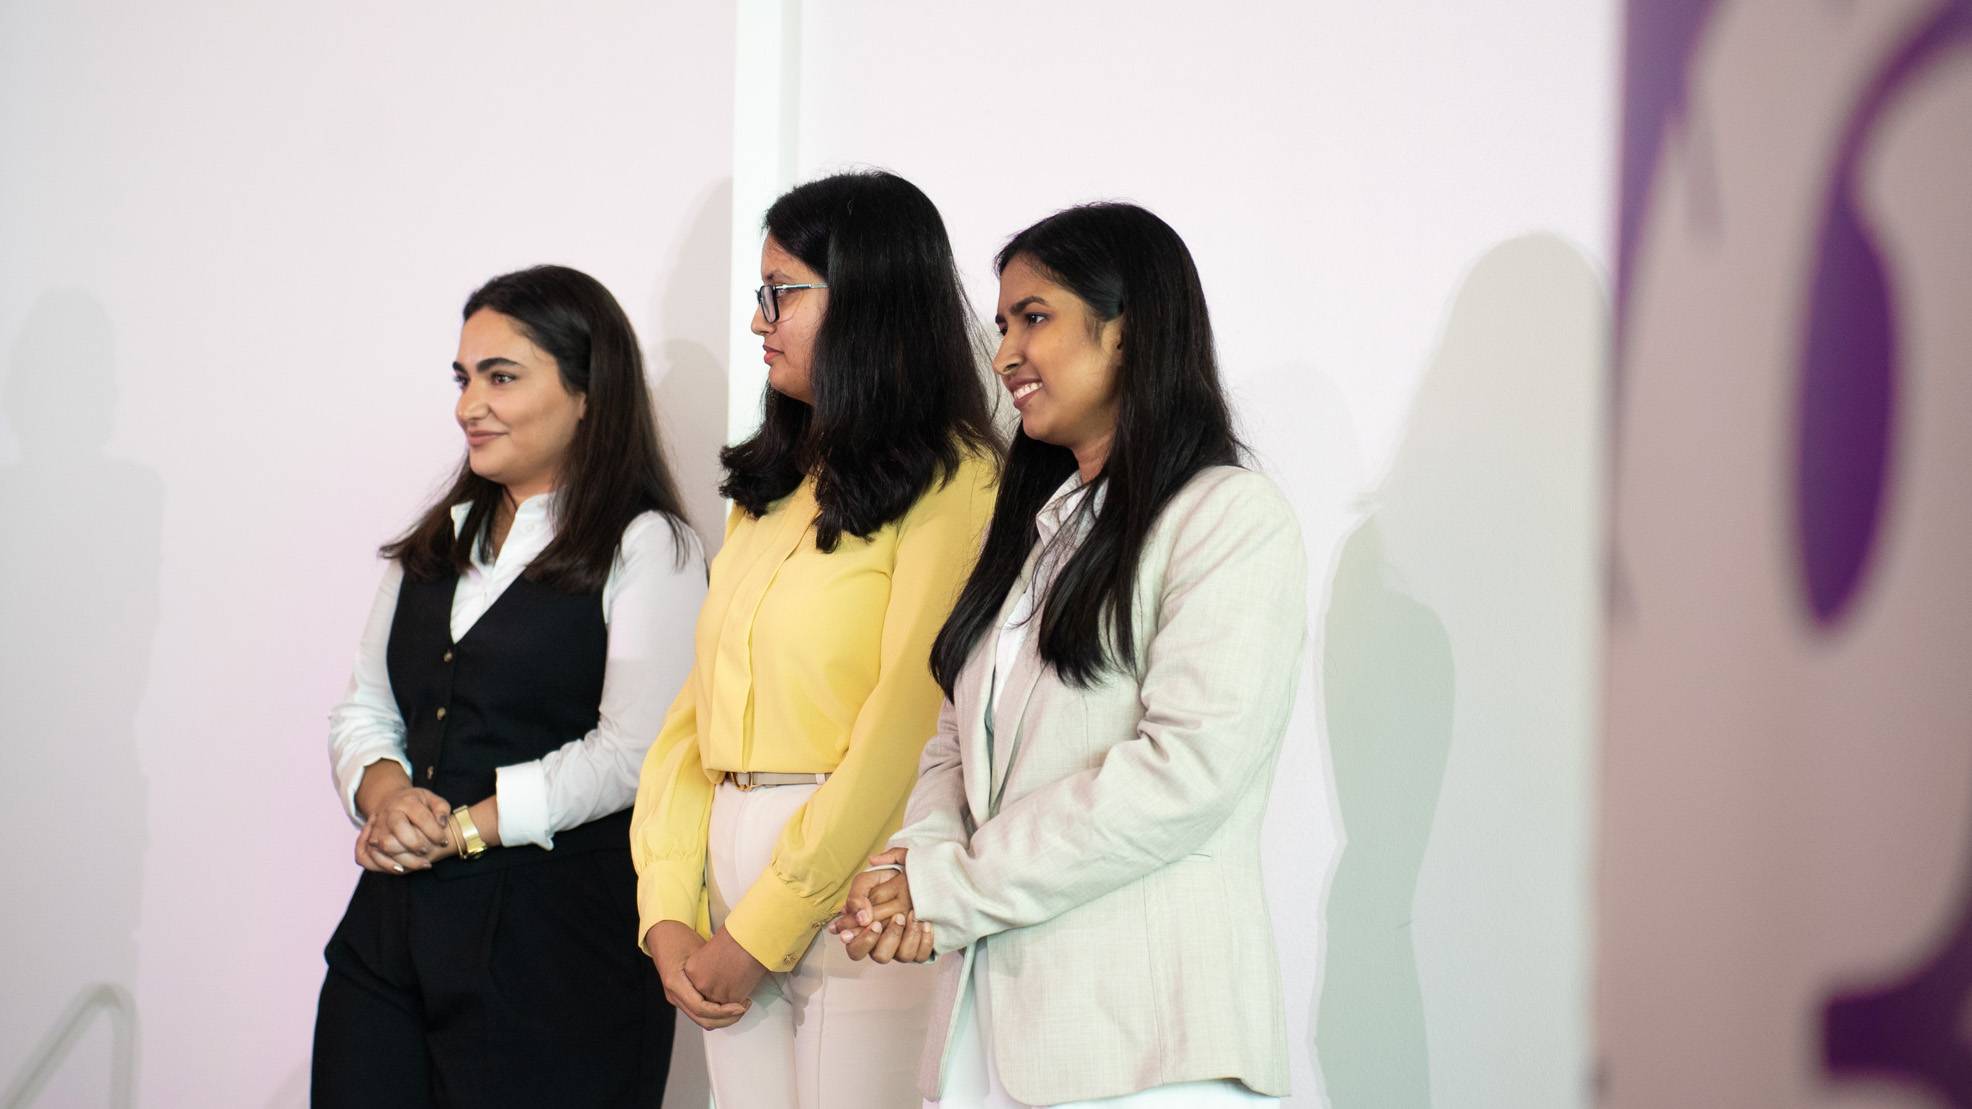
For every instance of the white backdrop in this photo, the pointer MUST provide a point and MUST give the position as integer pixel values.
(235, 242)
(1402, 217)
(236, 239)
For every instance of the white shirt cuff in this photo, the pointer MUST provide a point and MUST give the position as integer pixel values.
(523, 792)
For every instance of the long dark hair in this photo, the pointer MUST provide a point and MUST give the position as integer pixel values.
(896, 373)
(614, 469)
(1172, 422)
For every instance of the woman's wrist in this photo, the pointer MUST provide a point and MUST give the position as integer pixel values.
(486, 817)
(381, 780)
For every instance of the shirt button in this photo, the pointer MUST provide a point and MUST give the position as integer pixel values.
(441, 712)
(447, 658)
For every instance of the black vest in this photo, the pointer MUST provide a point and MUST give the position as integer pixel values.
(526, 678)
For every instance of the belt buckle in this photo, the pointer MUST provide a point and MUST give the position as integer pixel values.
(744, 787)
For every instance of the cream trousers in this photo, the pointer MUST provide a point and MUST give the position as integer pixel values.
(829, 1033)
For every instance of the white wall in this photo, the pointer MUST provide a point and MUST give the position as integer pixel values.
(236, 239)
(1402, 215)
(235, 242)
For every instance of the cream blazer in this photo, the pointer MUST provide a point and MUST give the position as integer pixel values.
(1119, 879)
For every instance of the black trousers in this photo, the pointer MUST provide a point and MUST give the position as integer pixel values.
(516, 986)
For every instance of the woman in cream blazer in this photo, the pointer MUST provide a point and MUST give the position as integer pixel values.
(1083, 842)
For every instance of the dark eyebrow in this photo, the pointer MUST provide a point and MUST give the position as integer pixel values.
(487, 364)
(1022, 305)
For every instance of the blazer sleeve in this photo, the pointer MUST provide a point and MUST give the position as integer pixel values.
(672, 814)
(936, 810)
(1217, 686)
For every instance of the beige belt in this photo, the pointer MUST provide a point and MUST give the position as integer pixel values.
(746, 781)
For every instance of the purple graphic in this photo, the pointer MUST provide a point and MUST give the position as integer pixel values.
(1658, 40)
(1906, 1029)
(1849, 366)
(1848, 384)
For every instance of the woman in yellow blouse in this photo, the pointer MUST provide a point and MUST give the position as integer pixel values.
(787, 758)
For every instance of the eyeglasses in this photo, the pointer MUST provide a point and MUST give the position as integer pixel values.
(769, 298)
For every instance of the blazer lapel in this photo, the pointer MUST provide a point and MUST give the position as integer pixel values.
(979, 679)
(972, 736)
(1016, 690)
(1016, 687)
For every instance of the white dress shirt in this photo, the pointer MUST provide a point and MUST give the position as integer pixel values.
(973, 1081)
(1054, 515)
(650, 603)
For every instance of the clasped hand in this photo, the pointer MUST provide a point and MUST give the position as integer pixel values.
(877, 920)
(710, 981)
(408, 830)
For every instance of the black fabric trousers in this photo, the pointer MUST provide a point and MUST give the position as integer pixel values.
(518, 986)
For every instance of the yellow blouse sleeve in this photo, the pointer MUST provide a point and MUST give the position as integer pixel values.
(830, 838)
(668, 827)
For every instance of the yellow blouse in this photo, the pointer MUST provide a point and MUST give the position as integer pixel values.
(805, 662)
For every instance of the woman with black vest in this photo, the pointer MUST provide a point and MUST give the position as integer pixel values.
(520, 654)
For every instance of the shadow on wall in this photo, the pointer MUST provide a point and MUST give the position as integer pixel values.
(1314, 450)
(78, 600)
(1387, 673)
(1458, 678)
(115, 1006)
(690, 385)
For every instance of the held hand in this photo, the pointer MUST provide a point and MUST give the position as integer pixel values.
(381, 780)
(723, 971)
(858, 909)
(902, 938)
(370, 860)
(408, 830)
(891, 896)
(672, 945)
(877, 920)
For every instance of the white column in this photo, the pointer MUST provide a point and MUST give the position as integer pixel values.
(766, 102)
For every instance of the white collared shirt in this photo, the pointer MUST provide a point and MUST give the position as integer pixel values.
(650, 603)
(1054, 515)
